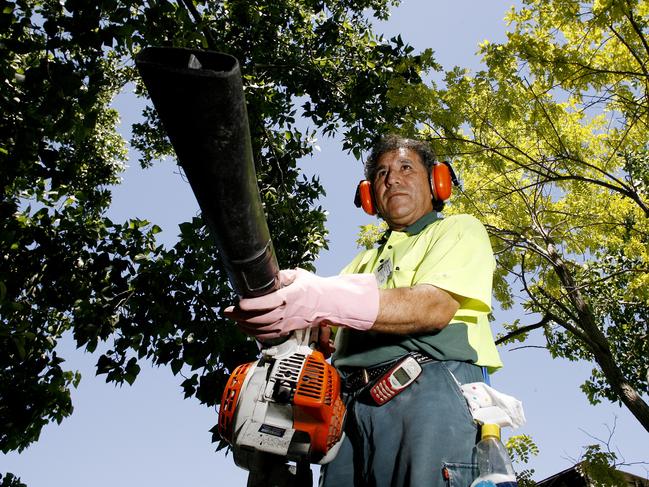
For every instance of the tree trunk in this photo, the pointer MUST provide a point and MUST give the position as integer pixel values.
(599, 344)
(627, 394)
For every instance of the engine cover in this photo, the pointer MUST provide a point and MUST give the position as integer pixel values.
(287, 403)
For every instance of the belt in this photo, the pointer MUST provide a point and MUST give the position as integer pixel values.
(360, 377)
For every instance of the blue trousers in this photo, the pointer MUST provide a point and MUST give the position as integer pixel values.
(424, 437)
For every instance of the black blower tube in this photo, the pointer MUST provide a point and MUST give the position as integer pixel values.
(199, 98)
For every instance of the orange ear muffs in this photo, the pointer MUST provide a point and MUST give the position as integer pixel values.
(364, 197)
(442, 180)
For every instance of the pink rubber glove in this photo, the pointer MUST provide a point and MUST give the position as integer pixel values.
(306, 301)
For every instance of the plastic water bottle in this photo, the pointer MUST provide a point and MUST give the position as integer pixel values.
(493, 461)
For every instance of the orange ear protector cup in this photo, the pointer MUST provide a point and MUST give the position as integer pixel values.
(365, 197)
(441, 183)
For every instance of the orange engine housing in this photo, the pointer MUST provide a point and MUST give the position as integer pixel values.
(317, 408)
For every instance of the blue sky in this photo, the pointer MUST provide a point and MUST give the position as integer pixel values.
(148, 435)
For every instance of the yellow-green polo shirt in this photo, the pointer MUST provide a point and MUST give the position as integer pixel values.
(451, 253)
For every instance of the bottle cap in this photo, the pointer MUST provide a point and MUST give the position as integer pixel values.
(490, 430)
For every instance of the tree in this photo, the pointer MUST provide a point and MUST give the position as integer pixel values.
(554, 162)
(65, 267)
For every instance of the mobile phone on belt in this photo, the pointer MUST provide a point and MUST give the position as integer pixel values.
(395, 380)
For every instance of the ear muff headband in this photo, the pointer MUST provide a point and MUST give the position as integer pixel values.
(441, 183)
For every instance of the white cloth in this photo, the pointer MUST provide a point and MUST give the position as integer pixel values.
(490, 406)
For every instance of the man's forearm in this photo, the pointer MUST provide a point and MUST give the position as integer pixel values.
(419, 309)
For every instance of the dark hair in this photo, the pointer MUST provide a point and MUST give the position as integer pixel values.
(392, 142)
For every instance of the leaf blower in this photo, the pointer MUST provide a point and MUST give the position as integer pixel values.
(286, 405)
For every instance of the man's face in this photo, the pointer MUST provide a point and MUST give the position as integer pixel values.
(402, 188)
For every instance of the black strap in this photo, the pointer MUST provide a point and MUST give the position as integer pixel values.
(360, 377)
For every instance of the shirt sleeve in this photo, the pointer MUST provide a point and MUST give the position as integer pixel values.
(459, 259)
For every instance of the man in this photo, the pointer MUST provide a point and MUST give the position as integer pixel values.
(425, 291)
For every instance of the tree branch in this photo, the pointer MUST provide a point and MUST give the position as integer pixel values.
(524, 329)
(629, 48)
(528, 346)
(198, 20)
(637, 29)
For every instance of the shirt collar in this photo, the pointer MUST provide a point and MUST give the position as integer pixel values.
(414, 228)
(422, 223)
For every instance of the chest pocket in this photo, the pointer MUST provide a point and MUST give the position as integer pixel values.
(401, 278)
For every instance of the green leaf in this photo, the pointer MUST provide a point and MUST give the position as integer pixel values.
(176, 366)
